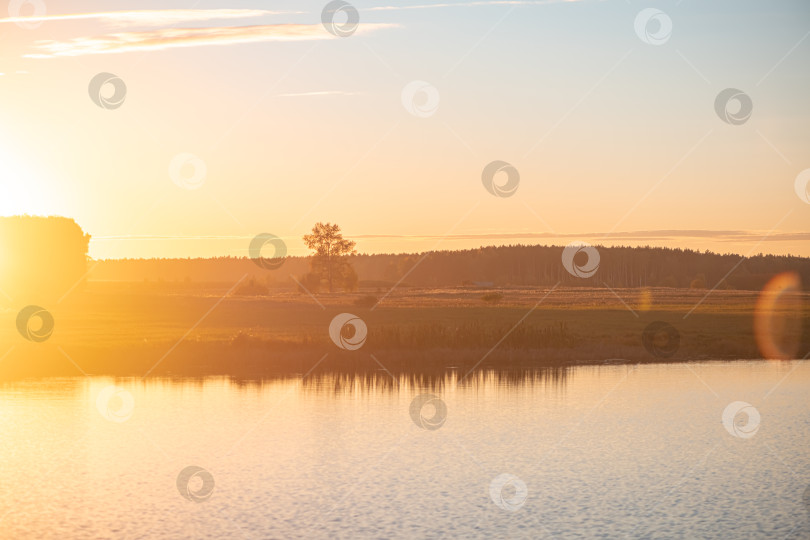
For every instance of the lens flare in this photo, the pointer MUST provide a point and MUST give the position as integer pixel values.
(777, 317)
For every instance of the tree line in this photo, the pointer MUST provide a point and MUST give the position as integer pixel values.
(47, 257)
(498, 266)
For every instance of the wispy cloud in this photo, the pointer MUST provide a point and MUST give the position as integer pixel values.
(170, 38)
(471, 4)
(733, 236)
(152, 17)
(173, 37)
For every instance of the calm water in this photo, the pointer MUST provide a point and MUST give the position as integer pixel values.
(616, 451)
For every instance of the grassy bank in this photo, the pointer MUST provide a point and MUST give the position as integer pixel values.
(125, 329)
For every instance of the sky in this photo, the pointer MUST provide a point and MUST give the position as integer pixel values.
(232, 119)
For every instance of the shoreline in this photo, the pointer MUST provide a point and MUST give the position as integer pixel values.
(206, 361)
(112, 331)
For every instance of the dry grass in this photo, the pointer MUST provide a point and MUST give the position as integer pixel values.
(126, 329)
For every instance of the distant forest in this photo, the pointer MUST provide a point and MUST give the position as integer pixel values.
(517, 265)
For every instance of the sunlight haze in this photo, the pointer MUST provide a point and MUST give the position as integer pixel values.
(609, 134)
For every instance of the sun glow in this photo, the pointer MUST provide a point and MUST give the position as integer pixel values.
(21, 187)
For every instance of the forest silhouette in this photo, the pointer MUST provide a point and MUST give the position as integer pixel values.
(496, 266)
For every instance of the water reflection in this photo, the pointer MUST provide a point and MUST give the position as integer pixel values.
(363, 382)
(643, 450)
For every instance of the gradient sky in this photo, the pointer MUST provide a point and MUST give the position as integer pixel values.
(616, 140)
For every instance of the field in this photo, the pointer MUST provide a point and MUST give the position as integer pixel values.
(142, 329)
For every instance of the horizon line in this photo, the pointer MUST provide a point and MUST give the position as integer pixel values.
(716, 234)
(394, 253)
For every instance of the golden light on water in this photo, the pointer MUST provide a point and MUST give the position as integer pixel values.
(777, 317)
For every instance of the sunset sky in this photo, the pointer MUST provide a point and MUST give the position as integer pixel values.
(616, 140)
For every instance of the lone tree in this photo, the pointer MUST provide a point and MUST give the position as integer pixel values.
(330, 261)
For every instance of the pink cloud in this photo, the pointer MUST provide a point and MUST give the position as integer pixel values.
(169, 38)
